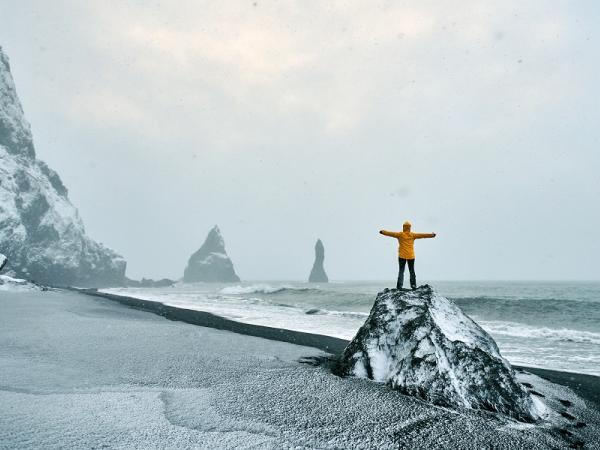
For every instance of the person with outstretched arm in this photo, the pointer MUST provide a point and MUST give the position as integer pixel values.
(406, 252)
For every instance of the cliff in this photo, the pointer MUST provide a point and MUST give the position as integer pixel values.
(41, 232)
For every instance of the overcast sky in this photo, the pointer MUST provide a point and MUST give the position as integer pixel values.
(283, 122)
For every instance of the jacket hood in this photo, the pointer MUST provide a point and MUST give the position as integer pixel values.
(406, 226)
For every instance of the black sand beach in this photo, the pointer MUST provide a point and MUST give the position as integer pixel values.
(586, 386)
(84, 372)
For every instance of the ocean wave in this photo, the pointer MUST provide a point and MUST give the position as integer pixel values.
(491, 301)
(352, 314)
(263, 289)
(555, 312)
(553, 334)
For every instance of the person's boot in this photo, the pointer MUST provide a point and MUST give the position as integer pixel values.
(413, 283)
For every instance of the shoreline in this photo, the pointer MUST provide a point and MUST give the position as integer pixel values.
(585, 385)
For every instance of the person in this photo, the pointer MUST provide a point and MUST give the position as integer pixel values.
(406, 252)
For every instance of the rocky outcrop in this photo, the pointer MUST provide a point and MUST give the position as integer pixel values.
(210, 263)
(41, 232)
(10, 284)
(317, 274)
(149, 282)
(423, 345)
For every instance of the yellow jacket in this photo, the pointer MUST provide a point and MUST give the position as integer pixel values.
(406, 240)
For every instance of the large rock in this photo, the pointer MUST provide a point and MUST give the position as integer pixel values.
(317, 274)
(423, 345)
(210, 263)
(41, 232)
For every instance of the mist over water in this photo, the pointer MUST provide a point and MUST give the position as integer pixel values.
(549, 325)
(321, 120)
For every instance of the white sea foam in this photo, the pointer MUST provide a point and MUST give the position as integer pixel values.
(327, 312)
(339, 311)
(259, 289)
(513, 329)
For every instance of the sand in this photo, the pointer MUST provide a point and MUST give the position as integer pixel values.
(87, 372)
(586, 386)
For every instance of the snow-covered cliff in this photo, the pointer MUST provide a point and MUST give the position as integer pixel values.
(41, 232)
(423, 345)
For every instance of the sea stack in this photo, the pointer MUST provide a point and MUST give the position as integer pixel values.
(317, 274)
(41, 232)
(210, 263)
(423, 345)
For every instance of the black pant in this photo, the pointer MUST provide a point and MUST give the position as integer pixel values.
(411, 268)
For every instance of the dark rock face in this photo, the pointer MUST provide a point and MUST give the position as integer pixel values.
(148, 282)
(41, 232)
(423, 345)
(317, 274)
(210, 263)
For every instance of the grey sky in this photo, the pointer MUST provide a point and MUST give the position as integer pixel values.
(287, 121)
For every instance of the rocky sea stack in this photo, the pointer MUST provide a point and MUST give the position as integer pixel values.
(423, 345)
(41, 232)
(211, 263)
(317, 274)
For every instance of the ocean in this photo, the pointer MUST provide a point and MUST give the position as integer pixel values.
(552, 325)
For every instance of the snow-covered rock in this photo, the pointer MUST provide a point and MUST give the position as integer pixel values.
(3, 260)
(41, 232)
(317, 274)
(10, 284)
(210, 263)
(423, 345)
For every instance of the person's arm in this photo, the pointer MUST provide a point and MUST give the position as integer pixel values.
(423, 235)
(389, 233)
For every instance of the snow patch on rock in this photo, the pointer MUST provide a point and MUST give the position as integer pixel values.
(10, 284)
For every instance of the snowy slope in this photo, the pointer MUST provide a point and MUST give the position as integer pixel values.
(41, 232)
